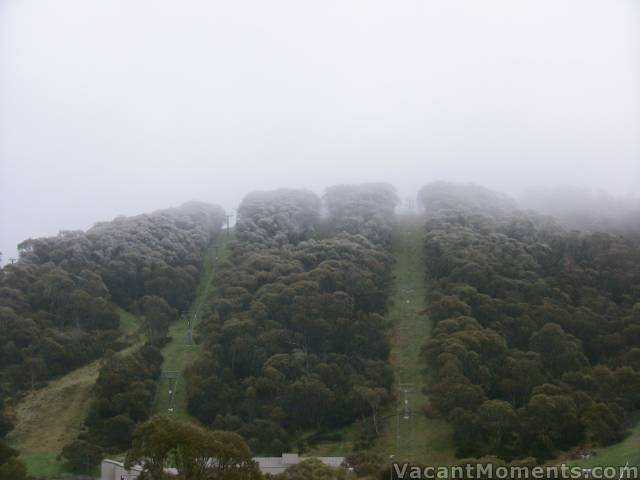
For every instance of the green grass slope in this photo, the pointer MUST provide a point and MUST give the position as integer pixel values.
(49, 418)
(619, 454)
(180, 351)
(407, 435)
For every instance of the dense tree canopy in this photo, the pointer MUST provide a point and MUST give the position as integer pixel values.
(57, 302)
(536, 342)
(156, 315)
(440, 197)
(297, 341)
(58, 311)
(535, 346)
(11, 468)
(123, 397)
(81, 456)
(365, 209)
(195, 452)
(277, 218)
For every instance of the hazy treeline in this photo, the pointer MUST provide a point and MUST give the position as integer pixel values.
(443, 197)
(59, 297)
(277, 218)
(297, 341)
(586, 209)
(536, 344)
(159, 253)
(58, 302)
(362, 210)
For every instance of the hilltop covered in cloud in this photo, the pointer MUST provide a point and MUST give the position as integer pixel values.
(586, 209)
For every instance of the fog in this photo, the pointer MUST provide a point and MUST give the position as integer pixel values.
(118, 107)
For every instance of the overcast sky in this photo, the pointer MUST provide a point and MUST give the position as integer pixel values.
(114, 107)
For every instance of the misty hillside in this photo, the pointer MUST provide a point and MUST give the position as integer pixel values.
(585, 209)
(61, 302)
(527, 345)
(415, 244)
(440, 197)
(535, 339)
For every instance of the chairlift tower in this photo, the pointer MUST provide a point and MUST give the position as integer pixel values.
(227, 216)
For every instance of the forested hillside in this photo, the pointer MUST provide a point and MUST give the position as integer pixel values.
(536, 342)
(58, 304)
(297, 342)
(534, 350)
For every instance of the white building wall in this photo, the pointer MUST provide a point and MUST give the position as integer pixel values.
(112, 470)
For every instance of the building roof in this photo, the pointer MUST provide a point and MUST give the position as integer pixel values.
(275, 465)
(272, 465)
